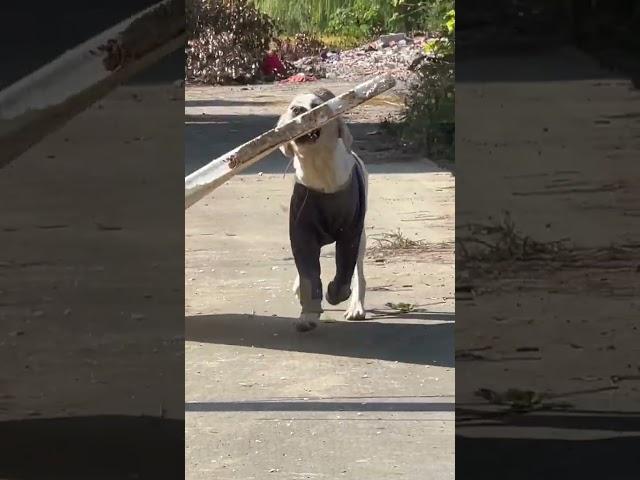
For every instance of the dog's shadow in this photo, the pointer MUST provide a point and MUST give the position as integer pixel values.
(429, 341)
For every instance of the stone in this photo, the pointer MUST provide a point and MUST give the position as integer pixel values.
(386, 40)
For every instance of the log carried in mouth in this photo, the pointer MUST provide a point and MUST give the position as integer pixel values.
(43, 101)
(206, 179)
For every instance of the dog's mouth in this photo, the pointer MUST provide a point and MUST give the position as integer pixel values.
(309, 137)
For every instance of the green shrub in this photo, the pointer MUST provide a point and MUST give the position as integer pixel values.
(295, 16)
(363, 19)
(416, 15)
(429, 120)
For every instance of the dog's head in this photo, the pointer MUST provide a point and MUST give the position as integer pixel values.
(326, 136)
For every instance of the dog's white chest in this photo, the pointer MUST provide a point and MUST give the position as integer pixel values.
(322, 169)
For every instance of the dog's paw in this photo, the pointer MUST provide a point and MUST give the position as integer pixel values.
(355, 312)
(307, 322)
(337, 294)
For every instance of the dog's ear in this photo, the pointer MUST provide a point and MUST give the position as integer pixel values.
(323, 94)
(345, 134)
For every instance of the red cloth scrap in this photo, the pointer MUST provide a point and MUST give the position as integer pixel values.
(299, 78)
(272, 64)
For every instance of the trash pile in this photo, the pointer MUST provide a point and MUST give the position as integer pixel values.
(226, 42)
(396, 54)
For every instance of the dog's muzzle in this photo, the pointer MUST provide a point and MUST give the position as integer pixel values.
(310, 137)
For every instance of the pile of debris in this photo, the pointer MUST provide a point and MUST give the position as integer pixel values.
(396, 53)
(227, 41)
(300, 45)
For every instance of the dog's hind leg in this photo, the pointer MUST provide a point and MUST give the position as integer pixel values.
(358, 285)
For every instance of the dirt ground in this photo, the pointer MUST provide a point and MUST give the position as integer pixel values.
(567, 174)
(71, 274)
(371, 399)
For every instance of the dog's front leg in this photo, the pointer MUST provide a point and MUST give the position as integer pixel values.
(306, 253)
(358, 285)
(296, 286)
(311, 302)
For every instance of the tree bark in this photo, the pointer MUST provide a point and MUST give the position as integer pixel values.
(45, 100)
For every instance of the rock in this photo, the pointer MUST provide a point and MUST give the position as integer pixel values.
(387, 40)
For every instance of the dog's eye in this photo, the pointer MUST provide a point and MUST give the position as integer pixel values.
(298, 110)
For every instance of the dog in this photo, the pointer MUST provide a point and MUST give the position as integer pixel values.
(328, 205)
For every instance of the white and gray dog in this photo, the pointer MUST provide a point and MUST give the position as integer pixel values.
(328, 205)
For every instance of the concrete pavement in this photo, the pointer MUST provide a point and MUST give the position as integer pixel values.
(354, 400)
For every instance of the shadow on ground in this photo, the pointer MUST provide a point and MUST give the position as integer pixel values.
(377, 314)
(311, 406)
(223, 103)
(533, 459)
(573, 419)
(552, 65)
(418, 343)
(96, 447)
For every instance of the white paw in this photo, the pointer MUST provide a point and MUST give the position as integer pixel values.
(355, 312)
(307, 322)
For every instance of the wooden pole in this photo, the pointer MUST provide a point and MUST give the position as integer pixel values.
(206, 179)
(43, 101)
